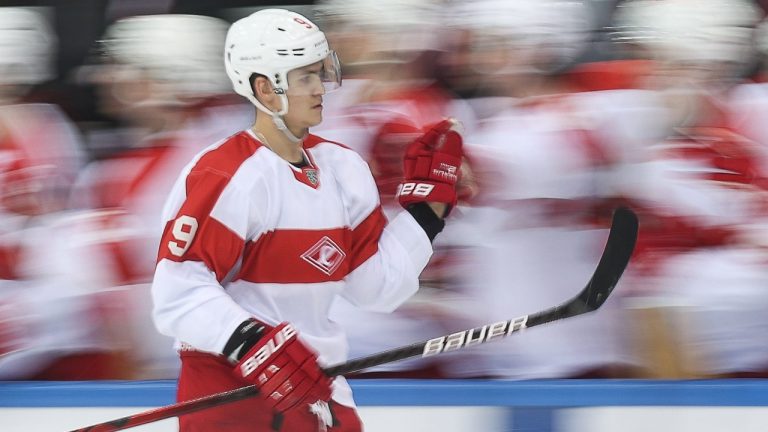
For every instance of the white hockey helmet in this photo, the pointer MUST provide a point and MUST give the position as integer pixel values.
(272, 42)
(546, 34)
(27, 47)
(761, 37)
(182, 53)
(690, 31)
(397, 26)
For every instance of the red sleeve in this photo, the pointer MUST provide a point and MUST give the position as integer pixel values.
(365, 237)
(194, 235)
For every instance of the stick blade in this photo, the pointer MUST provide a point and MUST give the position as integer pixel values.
(618, 250)
(613, 262)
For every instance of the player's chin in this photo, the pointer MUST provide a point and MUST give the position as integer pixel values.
(315, 118)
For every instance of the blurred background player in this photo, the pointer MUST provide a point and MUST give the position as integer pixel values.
(537, 224)
(701, 188)
(161, 79)
(52, 318)
(749, 100)
(158, 79)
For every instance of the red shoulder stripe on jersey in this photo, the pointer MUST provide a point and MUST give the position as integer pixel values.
(297, 256)
(313, 140)
(227, 158)
(212, 243)
(365, 237)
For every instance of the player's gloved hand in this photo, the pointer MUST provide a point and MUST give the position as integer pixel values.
(431, 167)
(282, 367)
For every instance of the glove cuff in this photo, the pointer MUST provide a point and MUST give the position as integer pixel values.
(247, 334)
(427, 219)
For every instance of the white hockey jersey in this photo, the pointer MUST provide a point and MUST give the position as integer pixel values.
(250, 235)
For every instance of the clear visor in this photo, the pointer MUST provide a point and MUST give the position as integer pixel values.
(317, 78)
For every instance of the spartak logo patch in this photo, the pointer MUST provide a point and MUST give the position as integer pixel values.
(325, 255)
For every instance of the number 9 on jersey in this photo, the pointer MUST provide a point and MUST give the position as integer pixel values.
(184, 230)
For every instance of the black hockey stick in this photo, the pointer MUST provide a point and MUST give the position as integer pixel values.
(618, 250)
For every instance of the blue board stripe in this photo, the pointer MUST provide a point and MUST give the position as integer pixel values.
(548, 393)
(564, 393)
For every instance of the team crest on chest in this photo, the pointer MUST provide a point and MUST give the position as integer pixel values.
(325, 255)
(311, 174)
(308, 175)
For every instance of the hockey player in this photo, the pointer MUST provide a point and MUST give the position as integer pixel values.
(540, 171)
(266, 227)
(50, 320)
(701, 188)
(160, 78)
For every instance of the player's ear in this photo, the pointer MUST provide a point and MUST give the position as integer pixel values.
(263, 90)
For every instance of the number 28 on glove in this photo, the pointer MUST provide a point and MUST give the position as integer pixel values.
(431, 166)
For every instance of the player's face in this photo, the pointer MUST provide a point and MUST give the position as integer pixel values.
(305, 96)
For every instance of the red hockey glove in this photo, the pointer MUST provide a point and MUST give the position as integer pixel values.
(284, 369)
(431, 167)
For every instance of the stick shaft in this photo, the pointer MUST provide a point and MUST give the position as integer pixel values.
(174, 410)
(618, 250)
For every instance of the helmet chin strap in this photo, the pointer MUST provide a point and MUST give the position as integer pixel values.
(277, 117)
(280, 123)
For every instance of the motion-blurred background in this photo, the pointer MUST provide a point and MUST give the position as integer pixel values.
(570, 108)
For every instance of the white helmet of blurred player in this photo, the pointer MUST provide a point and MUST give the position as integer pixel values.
(180, 53)
(399, 27)
(272, 42)
(690, 31)
(27, 46)
(761, 37)
(539, 35)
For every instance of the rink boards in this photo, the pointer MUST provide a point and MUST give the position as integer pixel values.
(438, 405)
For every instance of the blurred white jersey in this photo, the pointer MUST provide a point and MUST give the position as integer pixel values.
(50, 304)
(706, 187)
(748, 105)
(52, 307)
(380, 131)
(537, 236)
(45, 136)
(127, 193)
